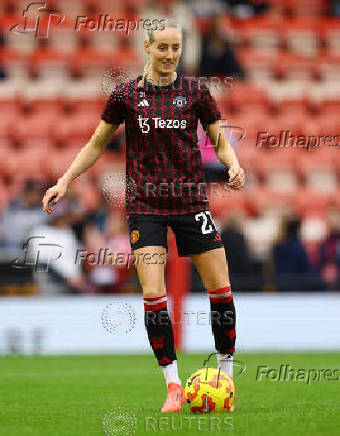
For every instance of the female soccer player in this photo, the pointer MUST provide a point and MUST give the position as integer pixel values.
(161, 112)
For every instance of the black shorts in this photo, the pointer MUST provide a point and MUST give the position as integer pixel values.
(195, 233)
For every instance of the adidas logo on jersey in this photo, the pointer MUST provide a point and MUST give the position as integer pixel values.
(143, 103)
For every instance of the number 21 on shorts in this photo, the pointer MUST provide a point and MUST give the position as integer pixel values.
(208, 224)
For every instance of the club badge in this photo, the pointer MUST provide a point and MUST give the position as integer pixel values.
(180, 101)
(134, 236)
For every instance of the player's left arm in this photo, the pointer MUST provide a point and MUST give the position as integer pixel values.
(226, 155)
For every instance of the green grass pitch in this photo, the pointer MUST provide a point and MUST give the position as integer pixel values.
(72, 395)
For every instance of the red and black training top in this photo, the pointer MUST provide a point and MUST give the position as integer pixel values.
(164, 170)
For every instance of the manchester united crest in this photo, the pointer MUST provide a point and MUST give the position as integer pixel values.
(180, 101)
(134, 236)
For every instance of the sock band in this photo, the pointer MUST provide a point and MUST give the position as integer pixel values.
(223, 326)
(155, 303)
(159, 329)
(221, 295)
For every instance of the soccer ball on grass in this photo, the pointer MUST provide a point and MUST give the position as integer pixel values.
(209, 390)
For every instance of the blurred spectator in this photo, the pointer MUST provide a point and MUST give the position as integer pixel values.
(218, 57)
(108, 268)
(239, 263)
(330, 253)
(52, 248)
(207, 8)
(335, 7)
(2, 49)
(293, 271)
(22, 214)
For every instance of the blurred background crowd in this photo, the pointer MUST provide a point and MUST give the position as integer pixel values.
(281, 232)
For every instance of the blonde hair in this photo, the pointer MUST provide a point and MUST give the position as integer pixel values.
(167, 23)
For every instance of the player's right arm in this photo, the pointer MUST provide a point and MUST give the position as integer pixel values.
(87, 156)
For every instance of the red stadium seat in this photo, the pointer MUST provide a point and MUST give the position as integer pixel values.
(329, 67)
(49, 63)
(261, 32)
(317, 167)
(262, 200)
(293, 66)
(277, 169)
(311, 204)
(259, 66)
(22, 164)
(80, 126)
(330, 34)
(58, 162)
(326, 123)
(224, 201)
(42, 106)
(8, 119)
(301, 36)
(312, 9)
(87, 62)
(90, 106)
(36, 126)
(245, 97)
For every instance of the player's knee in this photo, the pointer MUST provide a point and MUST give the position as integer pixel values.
(153, 292)
(217, 283)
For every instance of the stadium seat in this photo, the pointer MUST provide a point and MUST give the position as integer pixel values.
(318, 171)
(259, 67)
(293, 66)
(80, 126)
(58, 162)
(245, 97)
(301, 36)
(261, 33)
(311, 204)
(329, 68)
(24, 163)
(224, 201)
(48, 63)
(35, 125)
(330, 34)
(264, 201)
(277, 169)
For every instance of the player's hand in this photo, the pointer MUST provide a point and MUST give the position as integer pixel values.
(53, 195)
(236, 177)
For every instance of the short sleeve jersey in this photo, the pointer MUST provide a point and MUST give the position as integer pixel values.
(164, 171)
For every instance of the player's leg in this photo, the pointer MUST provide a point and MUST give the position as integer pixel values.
(213, 268)
(157, 321)
(197, 237)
